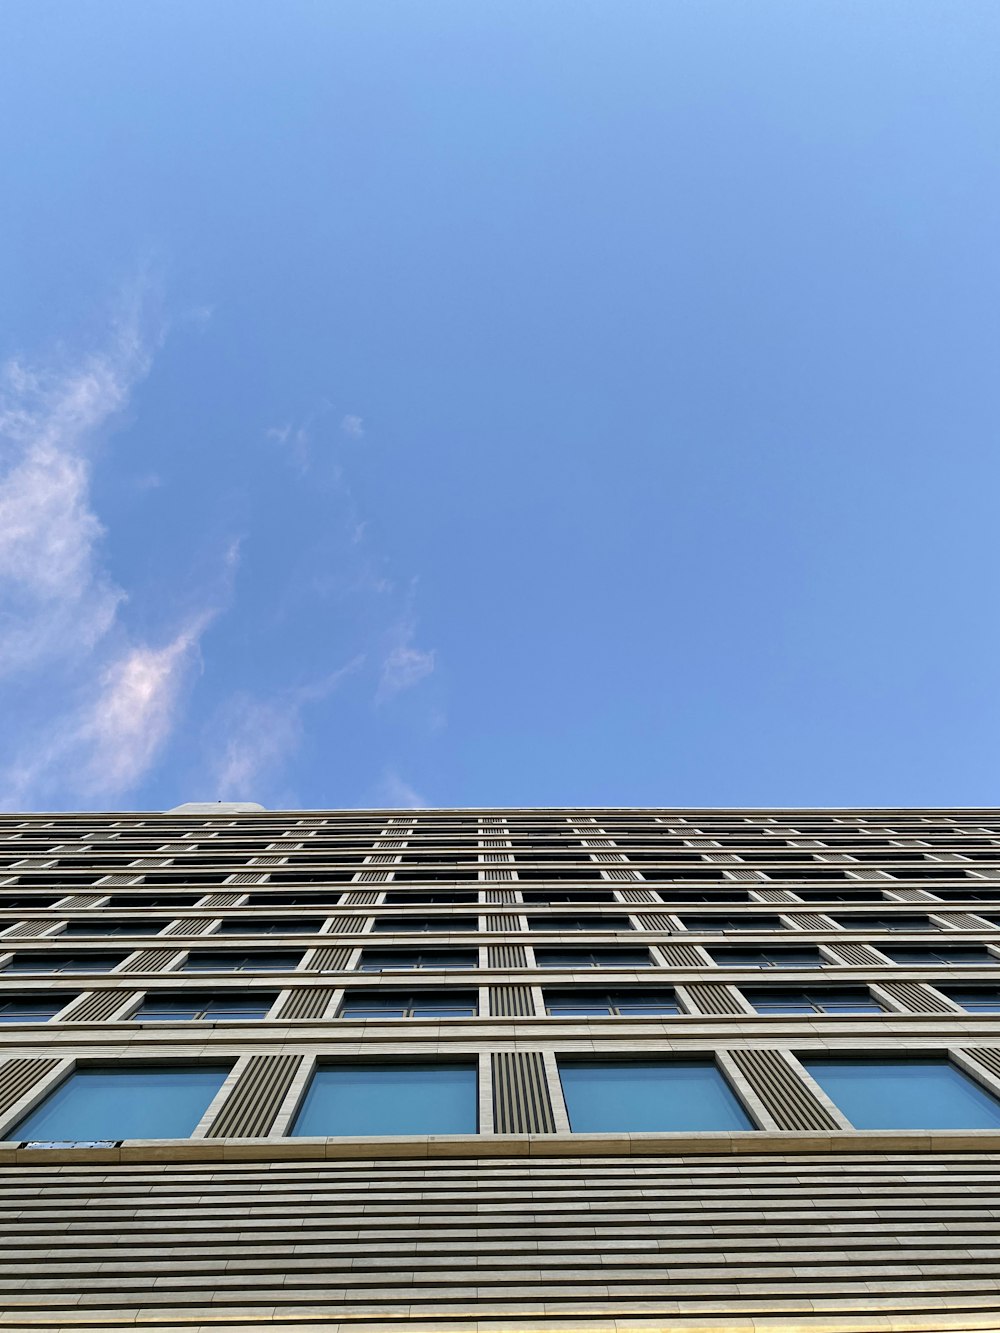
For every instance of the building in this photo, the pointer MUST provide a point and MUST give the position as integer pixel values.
(546, 1069)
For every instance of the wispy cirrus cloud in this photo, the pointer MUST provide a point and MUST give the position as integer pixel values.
(396, 792)
(255, 738)
(404, 664)
(99, 705)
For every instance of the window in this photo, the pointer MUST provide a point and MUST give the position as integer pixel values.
(890, 921)
(648, 1096)
(925, 1092)
(776, 957)
(593, 958)
(14, 900)
(425, 924)
(568, 896)
(112, 927)
(680, 896)
(392, 960)
(368, 1100)
(294, 899)
(975, 999)
(204, 961)
(748, 922)
(427, 899)
(917, 955)
(579, 923)
(137, 1102)
(618, 1004)
(64, 962)
(155, 900)
(184, 1006)
(417, 1004)
(32, 1008)
(844, 1000)
(840, 895)
(288, 926)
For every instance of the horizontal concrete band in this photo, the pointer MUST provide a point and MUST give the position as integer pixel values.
(758, 1142)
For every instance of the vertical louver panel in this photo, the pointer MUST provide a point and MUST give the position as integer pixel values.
(511, 1002)
(637, 896)
(95, 1006)
(372, 877)
(247, 877)
(789, 1100)
(654, 921)
(812, 921)
(857, 955)
(494, 875)
(190, 925)
(914, 997)
(333, 959)
(307, 1002)
(500, 922)
(521, 1101)
(776, 896)
(914, 896)
(681, 955)
(987, 1056)
(713, 998)
(222, 900)
(18, 1077)
(150, 960)
(28, 930)
(77, 901)
(500, 895)
(362, 897)
(960, 920)
(348, 925)
(506, 955)
(249, 1110)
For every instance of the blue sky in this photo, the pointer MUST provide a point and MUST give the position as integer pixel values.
(450, 403)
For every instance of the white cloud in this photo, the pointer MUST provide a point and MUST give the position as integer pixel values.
(260, 736)
(56, 600)
(352, 426)
(393, 791)
(404, 665)
(96, 707)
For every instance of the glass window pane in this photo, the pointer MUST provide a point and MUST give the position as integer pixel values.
(649, 1096)
(41, 1010)
(982, 1001)
(905, 1094)
(390, 1099)
(781, 1001)
(179, 1008)
(132, 1103)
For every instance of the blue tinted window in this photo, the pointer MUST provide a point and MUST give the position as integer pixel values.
(204, 961)
(649, 1095)
(390, 1099)
(768, 957)
(32, 1009)
(720, 922)
(435, 960)
(64, 962)
(917, 956)
(906, 1094)
(977, 1000)
(164, 1102)
(166, 1008)
(779, 1000)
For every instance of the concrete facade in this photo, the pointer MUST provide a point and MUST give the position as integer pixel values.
(801, 1221)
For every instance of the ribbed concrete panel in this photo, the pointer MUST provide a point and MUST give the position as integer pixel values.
(306, 1002)
(249, 1110)
(222, 899)
(857, 955)
(119, 881)
(987, 1056)
(348, 925)
(76, 901)
(776, 896)
(787, 1098)
(521, 1101)
(914, 895)
(500, 895)
(28, 930)
(362, 897)
(191, 925)
(511, 1001)
(18, 1077)
(961, 920)
(654, 921)
(333, 959)
(681, 955)
(96, 1006)
(620, 876)
(247, 877)
(713, 998)
(150, 960)
(506, 955)
(812, 921)
(914, 997)
(890, 1242)
(372, 877)
(496, 875)
(505, 922)
(637, 896)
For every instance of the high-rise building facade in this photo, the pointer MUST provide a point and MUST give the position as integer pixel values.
(546, 1069)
